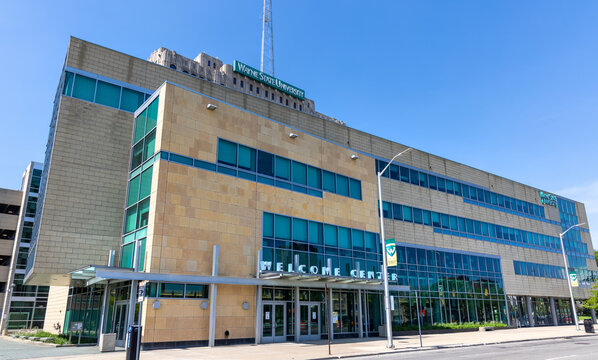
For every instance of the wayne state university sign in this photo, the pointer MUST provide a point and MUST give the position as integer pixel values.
(268, 80)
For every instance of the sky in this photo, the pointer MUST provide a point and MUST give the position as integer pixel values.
(508, 87)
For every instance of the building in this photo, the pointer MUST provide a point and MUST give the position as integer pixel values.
(10, 206)
(251, 218)
(26, 304)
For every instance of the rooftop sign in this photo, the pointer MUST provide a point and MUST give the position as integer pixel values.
(547, 199)
(268, 80)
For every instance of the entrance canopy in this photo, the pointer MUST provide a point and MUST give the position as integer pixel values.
(101, 274)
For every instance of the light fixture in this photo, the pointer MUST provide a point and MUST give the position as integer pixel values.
(354, 157)
(245, 305)
(211, 107)
(204, 305)
(293, 135)
(156, 304)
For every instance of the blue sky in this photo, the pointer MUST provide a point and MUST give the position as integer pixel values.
(509, 87)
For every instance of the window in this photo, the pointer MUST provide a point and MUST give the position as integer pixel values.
(172, 290)
(257, 90)
(173, 66)
(246, 158)
(294, 105)
(242, 83)
(149, 145)
(281, 99)
(330, 236)
(272, 96)
(250, 87)
(266, 93)
(315, 177)
(108, 94)
(299, 230)
(283, 168)
(355, 189)
(209, 63)
(328, 182)
(84, 88)
(195, 291)
(299, 173)
(131, 99)
(227, 152)
(234, 81)
(287, 102)
(68, 83)
(265, 163)
(342, 185)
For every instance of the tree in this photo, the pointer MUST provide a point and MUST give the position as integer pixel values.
(596, 256)
(592, 302)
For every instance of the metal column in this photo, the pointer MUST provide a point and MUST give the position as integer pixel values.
(104, 307)
(258, 315)
(593, 312)
(555, 319)
(297, 322)
(530, 314)
(213, 297)
(360, 318)
(331, 324)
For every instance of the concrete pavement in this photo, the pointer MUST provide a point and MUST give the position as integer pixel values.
(344, 347)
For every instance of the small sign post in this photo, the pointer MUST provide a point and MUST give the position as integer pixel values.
(76, 326)
(141, 291)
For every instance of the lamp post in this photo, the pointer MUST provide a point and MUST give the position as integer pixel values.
(384, 267)
(567, 274)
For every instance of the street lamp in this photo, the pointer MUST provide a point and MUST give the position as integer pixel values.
(384, 267)
(567, 273)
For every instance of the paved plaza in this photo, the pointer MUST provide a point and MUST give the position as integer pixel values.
(307, 350)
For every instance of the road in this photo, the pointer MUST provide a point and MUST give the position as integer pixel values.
(12, 350)
(561, 349)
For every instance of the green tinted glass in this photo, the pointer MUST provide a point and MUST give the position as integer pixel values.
(283, 227)
(152, 115)
(246, 158)
(133, 193)
(328, 181)
(126, 257)
(137, 155)
(314, 176)
(344, 238)
(131, 100)
(330, 238)
(172, 290)
(146, 183)
(150, 145)
(355, 189)
(342, 185)
(299, 173)
(195, 291)
(315, 233)
(130, 219)
(268, 225)
(84, 87)
(108, 94)
(300, 230)
(282, 169)
(68, 83)
(143, 213)
(140, 126)
(227, 152)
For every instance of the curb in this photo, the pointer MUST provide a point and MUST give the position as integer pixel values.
(442, 347)
(31, 342)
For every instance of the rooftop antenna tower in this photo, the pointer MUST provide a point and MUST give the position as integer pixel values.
(267, 61)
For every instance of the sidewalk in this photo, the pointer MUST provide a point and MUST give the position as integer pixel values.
(348, 347)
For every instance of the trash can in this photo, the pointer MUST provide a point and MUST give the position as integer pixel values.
(588, 325)
(132, 347)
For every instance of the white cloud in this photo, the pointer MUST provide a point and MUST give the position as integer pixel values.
(588, 195)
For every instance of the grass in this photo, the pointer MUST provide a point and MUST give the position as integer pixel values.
(56, 339)
(448, 326)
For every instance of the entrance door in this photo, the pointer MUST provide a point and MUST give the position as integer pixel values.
(309, 317)
(274, 322)
(120, 322)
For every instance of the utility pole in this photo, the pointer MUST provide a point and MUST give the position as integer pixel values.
(267, 59)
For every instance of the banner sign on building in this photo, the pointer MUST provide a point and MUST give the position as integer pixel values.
(573, 279)
(391, 252)
(547, 199)
(268, 80)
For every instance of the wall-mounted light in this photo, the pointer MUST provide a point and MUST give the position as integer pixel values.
(293, 135)
(354, 157)
(245, 305)
(156, 304)
(204, 305)
(211, 107)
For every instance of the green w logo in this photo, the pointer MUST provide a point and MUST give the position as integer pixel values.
(391, 250)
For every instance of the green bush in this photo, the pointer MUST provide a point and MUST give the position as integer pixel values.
(56, 339)
(448, 326)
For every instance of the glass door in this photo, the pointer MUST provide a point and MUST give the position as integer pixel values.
(309, 317)
(120, 322)
(273, 322)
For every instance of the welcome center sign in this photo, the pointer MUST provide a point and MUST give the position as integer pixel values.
(268, 80)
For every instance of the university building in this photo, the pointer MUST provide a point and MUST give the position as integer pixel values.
(245, 215)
